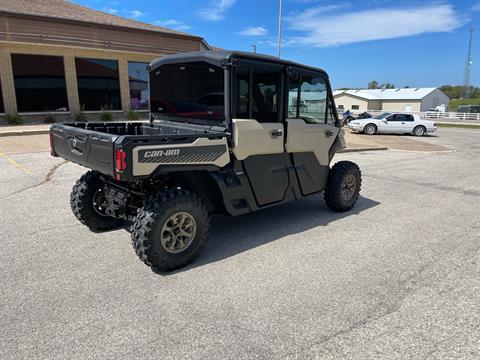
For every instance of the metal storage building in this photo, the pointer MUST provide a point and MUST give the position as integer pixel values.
(406, 99)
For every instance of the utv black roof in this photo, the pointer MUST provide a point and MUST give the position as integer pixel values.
(221, 58)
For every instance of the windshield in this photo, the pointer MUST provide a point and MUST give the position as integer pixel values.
(381, 116)
(191, 92)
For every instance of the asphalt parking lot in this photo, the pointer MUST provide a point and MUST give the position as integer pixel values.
(396, 278)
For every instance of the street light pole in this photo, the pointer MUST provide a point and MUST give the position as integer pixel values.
(279, 28)
(254, 47)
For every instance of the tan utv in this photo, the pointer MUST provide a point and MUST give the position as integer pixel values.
(229, 133)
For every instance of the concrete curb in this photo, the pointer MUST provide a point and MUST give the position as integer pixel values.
(23, 132)
(362, 149)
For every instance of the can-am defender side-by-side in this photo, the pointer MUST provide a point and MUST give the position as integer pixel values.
(229, 133)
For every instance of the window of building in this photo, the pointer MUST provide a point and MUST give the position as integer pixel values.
(39, 83)
(313, 99)
(355, 107)
(98, 84)
(340, 107)
(2, 108)
(258, 88)
(138, 82)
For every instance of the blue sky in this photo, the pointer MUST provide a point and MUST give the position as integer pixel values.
(414, 43)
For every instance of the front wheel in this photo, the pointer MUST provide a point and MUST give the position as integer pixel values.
(343, 186)
(171, 229)
(370, 129)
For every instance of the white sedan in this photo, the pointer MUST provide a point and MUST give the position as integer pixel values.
(393, 123)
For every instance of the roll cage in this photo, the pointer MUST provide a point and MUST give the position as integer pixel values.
(229, 62)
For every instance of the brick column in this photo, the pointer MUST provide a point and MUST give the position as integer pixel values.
(72, 86)
(124, 85)
(8, 86)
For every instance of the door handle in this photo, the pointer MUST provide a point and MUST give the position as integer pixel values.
(276, 133)
(328, 133)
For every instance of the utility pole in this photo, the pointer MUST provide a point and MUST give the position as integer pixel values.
(254, 47)
(279, 28)
(468, 65)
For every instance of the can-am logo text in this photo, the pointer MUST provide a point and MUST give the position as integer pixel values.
(157, 153)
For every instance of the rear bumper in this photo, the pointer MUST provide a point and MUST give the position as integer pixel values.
(431, 130)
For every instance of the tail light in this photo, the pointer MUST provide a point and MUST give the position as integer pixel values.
(120, 162)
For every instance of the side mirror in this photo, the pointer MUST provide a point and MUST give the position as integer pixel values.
(385, 121)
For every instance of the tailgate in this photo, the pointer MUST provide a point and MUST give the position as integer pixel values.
(89, 148)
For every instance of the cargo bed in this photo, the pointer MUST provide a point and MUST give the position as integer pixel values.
(94, 145)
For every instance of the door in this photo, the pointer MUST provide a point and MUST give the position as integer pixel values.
(258, 133)
(408, 123)
(400, 123)
(311, 129)
(393, 124)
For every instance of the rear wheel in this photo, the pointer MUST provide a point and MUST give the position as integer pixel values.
(171, 229)
(343, 186)
(419, 130)
(88, 204)
(370, 129)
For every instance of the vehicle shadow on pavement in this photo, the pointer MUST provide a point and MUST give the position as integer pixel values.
(230, 236)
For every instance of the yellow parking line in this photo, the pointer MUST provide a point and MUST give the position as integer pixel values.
(16, 164)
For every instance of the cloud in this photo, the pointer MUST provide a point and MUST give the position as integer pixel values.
(254, 31)
(216, 9)
(173, 24)
(110, 10)
(137, 13)
(321, 27)
(476, 6)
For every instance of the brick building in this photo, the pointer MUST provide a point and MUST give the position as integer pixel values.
(61, 58)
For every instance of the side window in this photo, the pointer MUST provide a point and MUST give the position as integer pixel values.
(265, 93)
(331, 119)
(408, 117)
(257, 92)
(395, 117)
(313, 99)
(293, 97)
(242, 84)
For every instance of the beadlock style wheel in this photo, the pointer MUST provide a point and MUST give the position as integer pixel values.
(89, 204)
(178, 232)
(100, 203)
(343, 186)
(171, 229)
(349, 186)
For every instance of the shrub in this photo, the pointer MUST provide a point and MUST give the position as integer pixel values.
(14, 119)
(132, 115)
(80, 117)
(49, 119)
(106, 116)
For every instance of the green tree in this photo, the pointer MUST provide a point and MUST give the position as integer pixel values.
(373, 84)
(387, 86)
